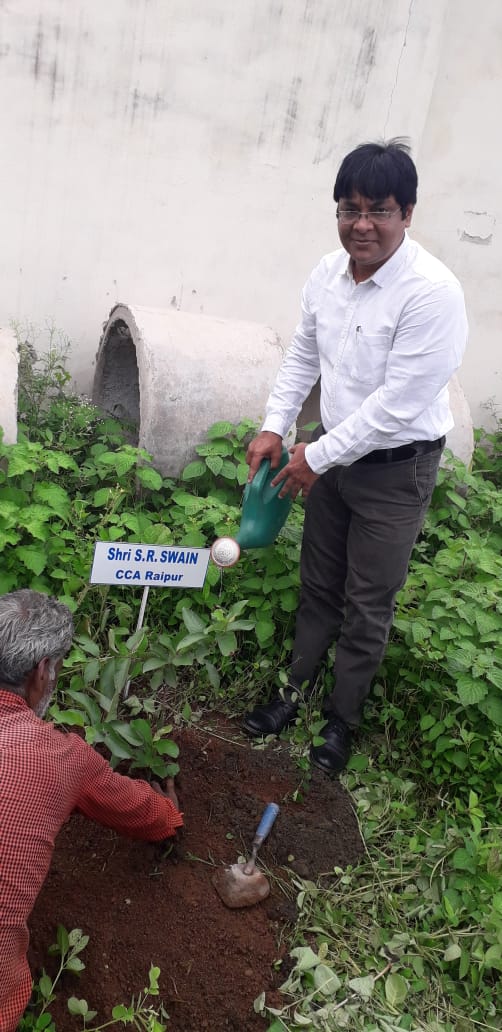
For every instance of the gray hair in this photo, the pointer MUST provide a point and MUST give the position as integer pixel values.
(32, 627)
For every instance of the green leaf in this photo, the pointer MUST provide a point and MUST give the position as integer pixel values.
(305, 958)
(88, 645)
(121, 668)
(121, 461)
(91, 671)
(192, 621)
(63, 939)
(492, 708)
(493, 957)
(465, 963)
(189, 640)
(215, 464)
(194, 471)
(32, 557)
(289, 601)
(117, 746)
(494, 675)
(396, 990)
(227, 643)
(81, 1007)
(228, 470)
(154, 664)
(149, 478)
(363, 987)
(73, 718)
(427, 721)
(143, 729)
(470, 691)
(45, 986)
(54, 495)
(325, 980)
(21, 461)
(489, 563)
(125, 731)
(74, 964)
(101, 497)
(265, 629)
(212, 674)
(58, 460)
(452, 952)
(219, 429)
(88, 704)
(259, 1003)
(166, 747)
(121, 1012)
(43, 1021)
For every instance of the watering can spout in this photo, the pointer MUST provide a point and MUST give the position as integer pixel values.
(263, 515)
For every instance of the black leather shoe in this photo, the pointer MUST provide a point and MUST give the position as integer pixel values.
(271, 718)
(334, 755)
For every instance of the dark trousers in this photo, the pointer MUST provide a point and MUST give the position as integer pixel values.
(361, 523)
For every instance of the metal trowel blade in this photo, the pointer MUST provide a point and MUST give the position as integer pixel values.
(237, 889)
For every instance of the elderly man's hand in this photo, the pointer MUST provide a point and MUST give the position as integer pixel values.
(297, 476)
(168, 792)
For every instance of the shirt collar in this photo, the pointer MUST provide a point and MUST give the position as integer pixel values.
(388, 270)
(10, 699)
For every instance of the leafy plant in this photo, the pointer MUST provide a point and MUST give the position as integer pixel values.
(140, 1013)
(222, 458)
(410, 938)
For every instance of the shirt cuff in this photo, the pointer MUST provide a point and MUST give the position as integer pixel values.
(274, 425)
(315, 457)
(172, 819)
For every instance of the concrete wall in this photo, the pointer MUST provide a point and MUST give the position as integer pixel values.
(8, 385)
(183, 153)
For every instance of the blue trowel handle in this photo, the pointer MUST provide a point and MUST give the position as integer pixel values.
(267, 819)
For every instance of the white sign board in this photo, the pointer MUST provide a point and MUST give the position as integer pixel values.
(151, 566)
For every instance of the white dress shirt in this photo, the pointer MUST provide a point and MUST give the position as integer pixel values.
(385, 350)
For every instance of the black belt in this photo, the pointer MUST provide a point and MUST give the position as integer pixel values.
(406, 451)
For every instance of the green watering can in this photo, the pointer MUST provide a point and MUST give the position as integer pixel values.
(263, 515)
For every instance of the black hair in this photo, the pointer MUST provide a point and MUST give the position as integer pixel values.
(378, 170)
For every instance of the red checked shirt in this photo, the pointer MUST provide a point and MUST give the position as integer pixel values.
(44, 776)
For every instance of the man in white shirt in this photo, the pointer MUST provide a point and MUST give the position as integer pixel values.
(384, 326)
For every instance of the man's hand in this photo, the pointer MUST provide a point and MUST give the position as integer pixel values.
(168, 792)
(297, 476)
(266, 445)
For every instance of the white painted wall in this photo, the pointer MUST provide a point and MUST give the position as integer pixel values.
(183, 152)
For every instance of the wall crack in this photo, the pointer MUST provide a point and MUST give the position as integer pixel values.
(398, 67)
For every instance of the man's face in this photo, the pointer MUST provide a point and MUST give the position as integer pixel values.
(371, 243)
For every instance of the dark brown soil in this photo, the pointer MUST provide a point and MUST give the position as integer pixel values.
(139, 908)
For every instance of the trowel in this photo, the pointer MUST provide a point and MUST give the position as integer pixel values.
(263, 515)
(241, 885)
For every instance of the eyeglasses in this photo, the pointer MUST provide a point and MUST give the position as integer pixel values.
(379, 215)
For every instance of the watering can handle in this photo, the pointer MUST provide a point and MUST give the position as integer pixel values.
(267, 819)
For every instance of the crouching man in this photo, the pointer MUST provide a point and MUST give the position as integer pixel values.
(44, 776)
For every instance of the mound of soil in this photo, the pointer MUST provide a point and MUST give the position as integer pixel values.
(140, 907)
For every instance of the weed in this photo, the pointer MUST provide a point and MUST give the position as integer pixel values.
(68, 946)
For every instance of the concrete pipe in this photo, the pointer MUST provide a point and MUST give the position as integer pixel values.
(172, 374)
